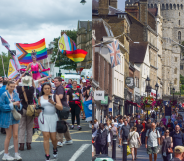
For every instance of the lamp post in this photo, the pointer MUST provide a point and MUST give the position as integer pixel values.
(156, 88)
(148, 89)
(83, 2)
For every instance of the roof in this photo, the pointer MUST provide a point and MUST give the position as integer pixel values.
(102, 29)
(114, 11)
(153, 11)
(84, 24)
(137, 51)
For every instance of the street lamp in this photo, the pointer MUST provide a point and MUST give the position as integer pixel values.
(156, 88)
(148, 89)
(83, 2)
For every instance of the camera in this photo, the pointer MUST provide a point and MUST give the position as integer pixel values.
(38, 107)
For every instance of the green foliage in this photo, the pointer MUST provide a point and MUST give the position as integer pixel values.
(62, 60)
(182, 49)
(6, 59)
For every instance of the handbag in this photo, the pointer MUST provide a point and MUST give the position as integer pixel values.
(128, 150)
(61, 126)
(31, 111)
(170, 150)
(16, 115)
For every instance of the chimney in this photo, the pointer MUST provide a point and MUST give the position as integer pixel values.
(143, 11)
(103, 8)
(133, 10)
(158, 12)
(113, 3)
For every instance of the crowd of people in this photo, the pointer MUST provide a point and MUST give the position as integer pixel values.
(163, 135)
(50, 100)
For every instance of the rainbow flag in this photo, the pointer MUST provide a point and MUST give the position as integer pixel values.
(24, 51)
(12, 72)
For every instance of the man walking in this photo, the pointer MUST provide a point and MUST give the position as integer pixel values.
(125, 130)
(60, 91)
(178, 153)
(152, 141)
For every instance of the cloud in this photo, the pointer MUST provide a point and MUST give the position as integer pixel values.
(26, 21)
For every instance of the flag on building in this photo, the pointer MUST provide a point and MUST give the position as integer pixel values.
(115, 55)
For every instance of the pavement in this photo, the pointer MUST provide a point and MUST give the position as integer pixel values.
(141, 154)
(81, 148)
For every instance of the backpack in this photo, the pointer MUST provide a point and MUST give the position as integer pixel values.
(150, 131)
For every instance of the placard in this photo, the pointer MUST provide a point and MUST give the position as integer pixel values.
(99, 95)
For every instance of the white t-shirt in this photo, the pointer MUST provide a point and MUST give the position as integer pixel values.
(1, 84)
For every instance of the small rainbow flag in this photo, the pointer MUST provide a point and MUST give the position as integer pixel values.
(24, 51)
(12, 72)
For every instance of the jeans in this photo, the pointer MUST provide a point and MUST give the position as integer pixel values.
(75, 111)
(168, 157)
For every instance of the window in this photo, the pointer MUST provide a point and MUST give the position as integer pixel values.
(174, 6)
(181, 67)
(175, 59)
(179, 35)
(181, 6)
(179, 22)
(163, 6)
(167, 6)
(178, 6)
(137, 82)
(175, 81)
(175, 71)
(179, 13)
(155, 6)
(151, 5)
(171, 6)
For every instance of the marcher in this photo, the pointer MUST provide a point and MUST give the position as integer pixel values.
(60, 91)
(167, 144)
(178, 153)
(125, 130)
(121, 123)
(8, 100)
(74, 98)
(48, 118)
(134, 142)
(152, 141)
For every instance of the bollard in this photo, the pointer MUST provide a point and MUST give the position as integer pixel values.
(125, 150)
(114, 147)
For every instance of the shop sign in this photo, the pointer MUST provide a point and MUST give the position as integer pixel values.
(105, 101)
(129, 82)
(147, 107)
(99, 95)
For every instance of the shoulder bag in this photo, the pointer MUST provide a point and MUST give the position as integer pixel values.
(16, 115)
(31, 111)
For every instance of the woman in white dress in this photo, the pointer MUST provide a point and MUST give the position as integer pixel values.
(48, 118)
(134, 142)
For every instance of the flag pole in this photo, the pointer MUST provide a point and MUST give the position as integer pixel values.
(2, 62)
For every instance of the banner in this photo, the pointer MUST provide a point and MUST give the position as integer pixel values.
(88, 110)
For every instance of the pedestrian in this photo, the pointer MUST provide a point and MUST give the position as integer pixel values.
(121, 123)
(125, 130)
(48, 118)
(152, 141)
(143, 135)
(60, 91)
(2, 90)
(8, 101)
(102, 139)
(167, 144)
(139, 128)
(134, 142)
(164, 120)
(177, 136)
(74, 98)
(170, 125)
(115, 123)
(131, 122)
(178, 153)
(26, 93)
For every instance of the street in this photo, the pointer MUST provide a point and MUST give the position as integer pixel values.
(79, 150)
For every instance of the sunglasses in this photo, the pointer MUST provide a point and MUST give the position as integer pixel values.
(166, 132)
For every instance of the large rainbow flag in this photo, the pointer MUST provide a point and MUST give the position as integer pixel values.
(23, 51)
(68, 47)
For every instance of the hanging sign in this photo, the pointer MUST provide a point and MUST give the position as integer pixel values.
(130, 82)
(99, 95)
(147, 107)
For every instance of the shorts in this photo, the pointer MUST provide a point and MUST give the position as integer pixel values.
(152, 150)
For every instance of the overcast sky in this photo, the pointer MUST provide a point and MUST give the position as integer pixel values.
(28, 21)
(121, 5)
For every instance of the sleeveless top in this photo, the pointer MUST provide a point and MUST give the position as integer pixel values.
(166, 144)
(34, 67)
(49, 109)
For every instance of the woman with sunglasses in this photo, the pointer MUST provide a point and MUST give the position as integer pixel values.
(48, 118)
(167, 144)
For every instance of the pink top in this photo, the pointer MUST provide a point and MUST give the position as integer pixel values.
(35, 68)
(164, 121)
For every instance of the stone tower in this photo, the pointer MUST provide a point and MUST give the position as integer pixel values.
(172, 12)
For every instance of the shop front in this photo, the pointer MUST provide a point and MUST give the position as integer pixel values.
(117, 105)
(137, 99)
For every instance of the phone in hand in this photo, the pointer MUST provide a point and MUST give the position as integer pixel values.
(49, 97)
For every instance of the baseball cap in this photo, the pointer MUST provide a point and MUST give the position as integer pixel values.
(179, 149)
(83, 80)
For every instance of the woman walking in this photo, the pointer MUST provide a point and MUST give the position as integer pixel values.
(134, 142)
(48, 118)
(74, 97)
(167, 144)
(8, 101)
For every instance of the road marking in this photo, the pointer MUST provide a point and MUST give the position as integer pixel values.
(79, 152)
(10, 147)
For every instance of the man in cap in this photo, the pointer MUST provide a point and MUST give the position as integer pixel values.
(178, 153)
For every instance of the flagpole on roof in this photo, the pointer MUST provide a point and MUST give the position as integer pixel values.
(2, 61)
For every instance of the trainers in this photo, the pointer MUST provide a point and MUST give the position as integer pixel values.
(79, 127)
(119, 146)
(55, 152)
(18, 157)
(7, 157)
(68, 142)
(60, 144)
(72, 127)
(47, 157)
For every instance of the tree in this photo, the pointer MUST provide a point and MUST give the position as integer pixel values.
(6, 59)
(62, 60)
